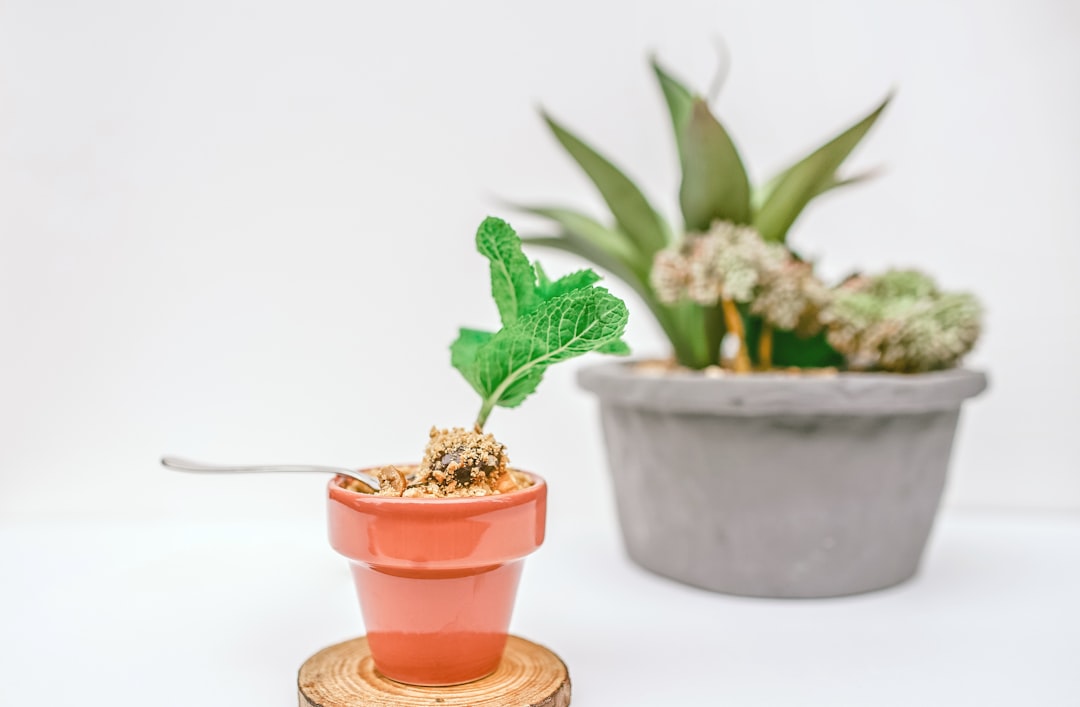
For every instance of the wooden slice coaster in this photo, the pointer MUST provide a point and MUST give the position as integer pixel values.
(344, 675)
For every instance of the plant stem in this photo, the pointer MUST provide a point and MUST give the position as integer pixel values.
(715, 329)
(687, 326)
(765, 346)
(485, 410)
(735, 326)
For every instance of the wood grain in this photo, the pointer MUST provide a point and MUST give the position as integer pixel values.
(344, 675)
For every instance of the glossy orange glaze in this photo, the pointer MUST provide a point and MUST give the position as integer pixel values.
(437, 577)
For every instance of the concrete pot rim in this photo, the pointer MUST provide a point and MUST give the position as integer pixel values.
(760, 394)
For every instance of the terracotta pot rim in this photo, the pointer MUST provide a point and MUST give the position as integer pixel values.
(514, 498)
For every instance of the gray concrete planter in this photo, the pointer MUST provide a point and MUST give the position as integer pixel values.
(779, 486)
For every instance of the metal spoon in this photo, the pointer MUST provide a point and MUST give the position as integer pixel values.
(180, 464)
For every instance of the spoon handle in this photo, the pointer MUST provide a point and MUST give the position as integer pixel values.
(189, 465)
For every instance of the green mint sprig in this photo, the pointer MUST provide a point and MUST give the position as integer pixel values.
(544, 322)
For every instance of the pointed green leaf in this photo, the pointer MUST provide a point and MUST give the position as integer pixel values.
(801, 182)
(567, 242)
(568, 283)
(542, 279)
(683, 323)
(586, 228)
(680, 102)
(714, 185)
(836, 182)
(632, 211)
(761, 194)
(547, 289)
(513, 281)
(463, 353)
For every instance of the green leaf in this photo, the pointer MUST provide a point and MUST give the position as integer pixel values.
(542, 279)
(615, 348)
(520, 387)
(568, 243)
(796, 186)
(510, 365)
(789, 349)
(714, 185)
(632, 211)
(583, 227)
(836, 182)
(683, 323)
(792, 350)
(463, 353)
(567, 283)
(759, 195)
(513, 281)
(680, 102)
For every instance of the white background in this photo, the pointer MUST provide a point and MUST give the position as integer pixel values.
(223, 613)
(242, 231)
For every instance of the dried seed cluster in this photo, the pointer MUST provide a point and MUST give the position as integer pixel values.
(457, 462)
(732, 262)
(898, 321)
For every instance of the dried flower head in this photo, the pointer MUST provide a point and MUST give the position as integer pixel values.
(733, 262)
(728, 262)
(791, 297)
(901, 322)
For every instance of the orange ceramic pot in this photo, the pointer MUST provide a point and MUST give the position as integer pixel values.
(437, 577)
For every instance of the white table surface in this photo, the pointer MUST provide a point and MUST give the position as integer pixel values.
(140, 613)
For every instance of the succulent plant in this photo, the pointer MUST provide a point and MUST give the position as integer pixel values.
(725, 266)
(901, 322)
(715, 188)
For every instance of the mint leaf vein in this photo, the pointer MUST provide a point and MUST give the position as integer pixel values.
(544, 322)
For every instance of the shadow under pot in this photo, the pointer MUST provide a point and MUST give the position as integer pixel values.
(437, 577)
